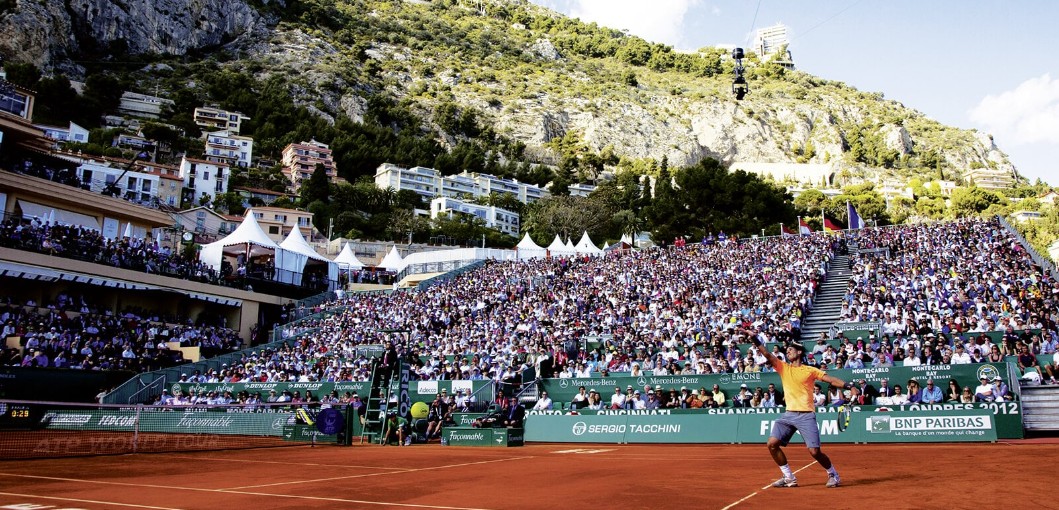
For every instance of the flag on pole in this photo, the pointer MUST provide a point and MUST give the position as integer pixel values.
(786, 231)
(803, 227)
(831, 225)
(854, 219)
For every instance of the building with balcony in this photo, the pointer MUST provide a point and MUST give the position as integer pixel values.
(214, 118)
(494, 217)
(120, 180)
(990, 178)
(226, 147)
(299, 161)
(142, 105)
(429, 183)
(202, 179)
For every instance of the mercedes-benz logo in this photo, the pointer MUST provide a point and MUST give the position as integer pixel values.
(563, 383)
(642, 381)
(579, 428)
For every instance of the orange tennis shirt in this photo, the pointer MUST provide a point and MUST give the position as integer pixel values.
(798, 384)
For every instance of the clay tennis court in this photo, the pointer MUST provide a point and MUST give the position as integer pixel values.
(535, 476)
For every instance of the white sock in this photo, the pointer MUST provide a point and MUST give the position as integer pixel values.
(786, 469)
(831, 471)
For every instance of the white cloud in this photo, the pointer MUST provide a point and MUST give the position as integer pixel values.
(1027, 114)
(658, 21)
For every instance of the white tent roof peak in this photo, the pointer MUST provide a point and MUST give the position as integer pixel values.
(585, 245)
(249, 231)
(347, 259)
(297, 244)
(527, 243)
(392, 261)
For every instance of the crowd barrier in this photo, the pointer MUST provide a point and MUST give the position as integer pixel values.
(419, 391)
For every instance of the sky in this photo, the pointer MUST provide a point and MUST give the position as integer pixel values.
(990, 65)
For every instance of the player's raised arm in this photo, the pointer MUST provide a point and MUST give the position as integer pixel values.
(772, 359)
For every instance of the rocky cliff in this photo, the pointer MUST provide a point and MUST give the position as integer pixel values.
(55, 34)
(516, 78)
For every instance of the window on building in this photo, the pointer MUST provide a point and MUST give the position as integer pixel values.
(273, 230)
(206, 175)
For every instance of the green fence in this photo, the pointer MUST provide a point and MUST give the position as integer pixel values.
(867, 426)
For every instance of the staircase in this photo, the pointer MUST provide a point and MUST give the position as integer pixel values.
(1040, 408)
(827, 305)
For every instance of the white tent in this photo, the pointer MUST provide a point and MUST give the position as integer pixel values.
(586, 246)
(570, 246)
(250, 242)
(392, 261)
(559, 249)
(347, 260)
(296, 243)
(527, 249)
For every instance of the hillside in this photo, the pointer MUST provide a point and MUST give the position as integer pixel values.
(511, 81)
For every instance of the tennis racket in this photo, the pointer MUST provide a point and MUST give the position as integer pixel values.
(845, 414)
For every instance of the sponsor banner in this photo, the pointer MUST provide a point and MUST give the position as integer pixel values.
(306, 433)
(466, 419)
(191, 422)
(867, 426)
(469, 436)
(563, 390)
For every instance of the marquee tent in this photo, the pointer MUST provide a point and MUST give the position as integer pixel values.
(296, 243)
(392, 261)
(249, 243)
(346, 260)
(586, 246)
(559, 249)
(527, 249)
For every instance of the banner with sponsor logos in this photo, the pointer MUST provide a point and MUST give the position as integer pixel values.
(468, 436)
(963, 425)
(180, 421)
(1007, 416)
(563, 390)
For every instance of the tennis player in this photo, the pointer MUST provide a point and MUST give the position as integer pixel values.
(798, 381)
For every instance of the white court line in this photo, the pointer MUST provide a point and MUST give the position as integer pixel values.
(295, 482)
(357, 501)
(765, 487)
(108, 503)
(285, 463)
(220, 491)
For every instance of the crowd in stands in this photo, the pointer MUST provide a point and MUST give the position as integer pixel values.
(43, 170)
(71, 332)
(649, 306)
(686, 310)
(76, 242)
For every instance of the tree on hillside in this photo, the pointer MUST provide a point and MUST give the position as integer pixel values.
(317, 187)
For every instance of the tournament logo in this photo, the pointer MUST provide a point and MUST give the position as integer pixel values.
(988, 371)
(579, 428)
(175, 388)
(725, 379)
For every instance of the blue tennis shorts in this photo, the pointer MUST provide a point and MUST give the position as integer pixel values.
(784, 428)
